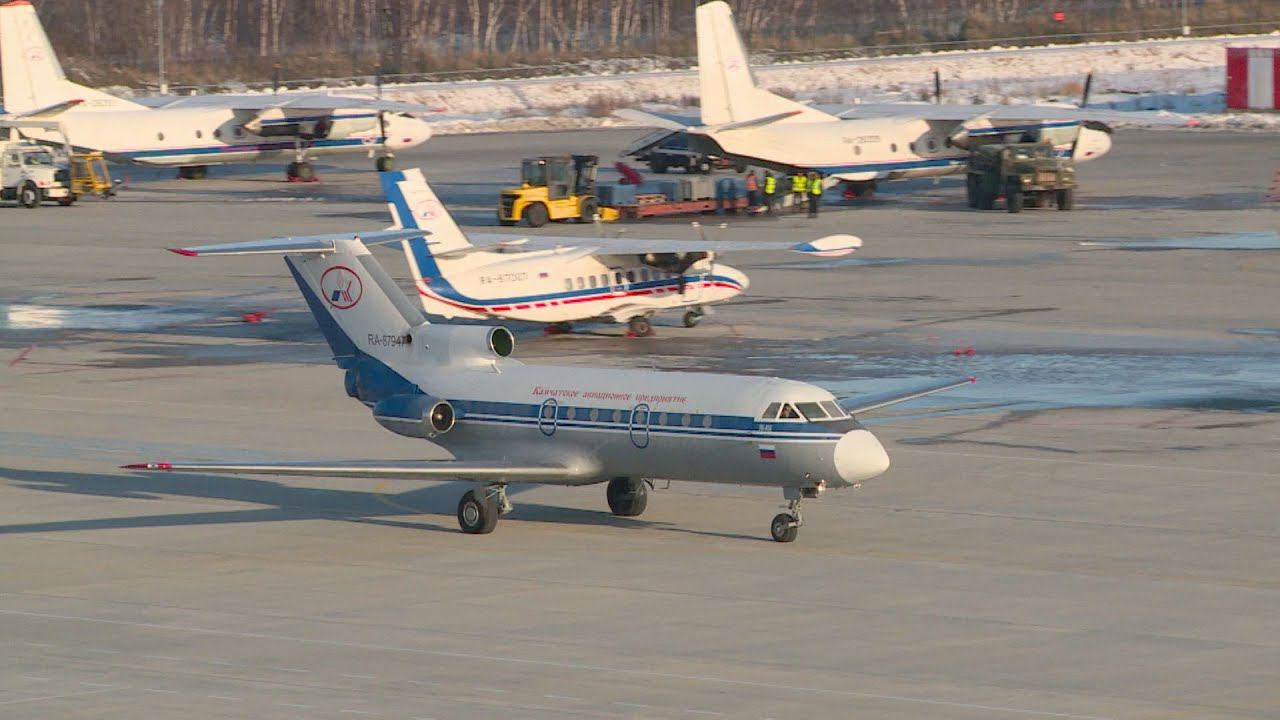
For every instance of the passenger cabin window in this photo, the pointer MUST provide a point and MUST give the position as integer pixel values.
(568, 283)
(604, 280)
(771, 412)
(592, 280)
(581, 284)
(631, 276)
(617, 278)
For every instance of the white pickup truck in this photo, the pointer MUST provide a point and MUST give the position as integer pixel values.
(30, 174)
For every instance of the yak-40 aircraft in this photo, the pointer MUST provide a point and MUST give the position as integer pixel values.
(507, 422)
(863, 143)
(191, 133)
(562, 280)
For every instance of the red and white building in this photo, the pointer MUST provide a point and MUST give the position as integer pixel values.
(1253, 78)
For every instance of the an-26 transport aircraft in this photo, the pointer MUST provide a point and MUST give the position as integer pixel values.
(562, 280)
(507, 422)
(191, 133)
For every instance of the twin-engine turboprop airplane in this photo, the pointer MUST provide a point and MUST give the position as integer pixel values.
(863, 143)
(506, 422)
(561, 280)
(192, 133)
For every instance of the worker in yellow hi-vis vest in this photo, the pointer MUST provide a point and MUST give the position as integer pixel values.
(815, 193)
(770, 191)
(799, 189)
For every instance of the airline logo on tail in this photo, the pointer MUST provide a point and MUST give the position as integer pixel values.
(341, 287)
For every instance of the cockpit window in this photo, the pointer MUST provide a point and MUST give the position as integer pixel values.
(789, 413)
(771, 412)
(812, 410)
(833, 409)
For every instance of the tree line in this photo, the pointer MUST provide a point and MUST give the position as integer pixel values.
(210, 40)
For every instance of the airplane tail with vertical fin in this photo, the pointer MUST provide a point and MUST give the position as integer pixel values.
(30, 72)
(730, 95)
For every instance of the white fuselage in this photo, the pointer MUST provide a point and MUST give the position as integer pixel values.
(552, 286)
(213, 135)
(889, 148)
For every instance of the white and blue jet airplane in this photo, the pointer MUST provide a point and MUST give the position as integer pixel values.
(506, 422)
(561, 280)
(191, 133)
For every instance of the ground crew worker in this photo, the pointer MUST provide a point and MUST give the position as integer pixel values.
(815, 193)
(753, 191)
(799, 186)
(770, 191)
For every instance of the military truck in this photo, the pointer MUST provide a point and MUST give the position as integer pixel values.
(1026, 174)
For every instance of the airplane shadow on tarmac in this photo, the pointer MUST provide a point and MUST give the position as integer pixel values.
(289, 503)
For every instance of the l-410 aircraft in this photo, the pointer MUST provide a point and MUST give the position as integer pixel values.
(562, 280)
(507, 422)
(191, 133)
(863, 143)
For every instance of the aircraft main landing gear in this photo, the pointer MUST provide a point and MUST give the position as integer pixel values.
(301, 171)
(639, 326)
(479, 509)
(385, 163)
(693, 316)
(627, 497)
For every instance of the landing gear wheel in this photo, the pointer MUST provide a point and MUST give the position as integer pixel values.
(385, 163)
(587, 210)
(29, 196)
(640, 326)
(305, 172)
(476, 515)
(784, 528)
(691, 318)
(536, 215)
(1066, 199)
(627, 497)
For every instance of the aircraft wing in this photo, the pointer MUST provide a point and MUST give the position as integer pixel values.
(960, 113)
(301, 101)
(828, 246)
(300, 244)
(403, 470)
(862, 404)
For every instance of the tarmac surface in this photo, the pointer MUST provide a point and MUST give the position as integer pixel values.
(1090, 532)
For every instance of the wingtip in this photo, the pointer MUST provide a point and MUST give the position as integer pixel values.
(148, 466)
(185, 252)
(972, 379)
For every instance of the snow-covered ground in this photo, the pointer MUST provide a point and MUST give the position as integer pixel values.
(1183, 75)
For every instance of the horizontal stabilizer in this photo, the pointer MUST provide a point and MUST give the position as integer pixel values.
(404, 470)
(302, 244)
(755, 122)
(50, 110)
(829, 246)
(657, 120)
(875, 401)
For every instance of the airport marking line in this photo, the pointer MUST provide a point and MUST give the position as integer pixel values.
(59, 697)
(582, 667)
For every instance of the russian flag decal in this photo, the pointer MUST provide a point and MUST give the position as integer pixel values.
(768, 452)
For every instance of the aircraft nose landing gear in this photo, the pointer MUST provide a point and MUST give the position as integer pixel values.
(786, 526)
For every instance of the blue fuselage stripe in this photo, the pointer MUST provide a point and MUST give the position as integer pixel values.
(228, 149)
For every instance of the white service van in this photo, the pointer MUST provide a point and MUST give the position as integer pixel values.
(31, 174)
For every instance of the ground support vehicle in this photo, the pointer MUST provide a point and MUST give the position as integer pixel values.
(552, 188)
(30, 174)
(1026, 174)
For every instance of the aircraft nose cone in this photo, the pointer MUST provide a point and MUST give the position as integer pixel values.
(737, 276)
(860, 456)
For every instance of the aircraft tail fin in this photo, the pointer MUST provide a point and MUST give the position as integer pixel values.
(414, 205)
(357, 305)
(729, 91)
(30, 72)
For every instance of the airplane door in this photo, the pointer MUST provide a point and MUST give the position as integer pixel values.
(639, 426)
(547, 417)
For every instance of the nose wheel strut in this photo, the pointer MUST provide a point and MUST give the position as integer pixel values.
(786, 526)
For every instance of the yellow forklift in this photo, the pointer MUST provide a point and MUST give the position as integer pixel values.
(561, 187)
(90, 176)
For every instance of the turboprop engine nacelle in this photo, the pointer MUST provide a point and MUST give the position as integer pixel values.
(276, 122)
(462, 344)
(416, 415)
(346, 123)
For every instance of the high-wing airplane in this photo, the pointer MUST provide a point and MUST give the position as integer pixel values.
(507, 422)
(561, 280)
(859, 144)
(192, 133)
